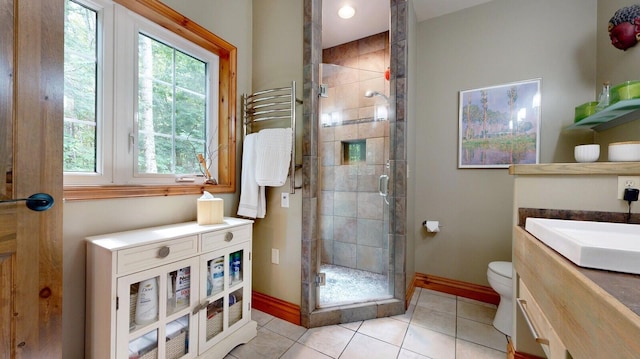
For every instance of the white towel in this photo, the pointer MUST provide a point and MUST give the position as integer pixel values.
(273, 156)
(252, 196)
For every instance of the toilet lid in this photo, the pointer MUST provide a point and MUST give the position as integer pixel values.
(504, 269)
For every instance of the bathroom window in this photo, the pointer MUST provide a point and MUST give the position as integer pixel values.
(145, 104)
(354, 152)
(172, 109)
(161, 112)
(81, 83)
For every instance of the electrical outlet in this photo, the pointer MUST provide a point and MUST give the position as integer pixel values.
(627, 182)
(275, 256)
(284, 200)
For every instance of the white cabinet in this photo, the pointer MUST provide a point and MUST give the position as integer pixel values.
(176, 291)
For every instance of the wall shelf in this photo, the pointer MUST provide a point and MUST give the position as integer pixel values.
(615, 115)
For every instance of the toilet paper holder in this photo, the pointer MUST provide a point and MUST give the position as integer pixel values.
(432, 226)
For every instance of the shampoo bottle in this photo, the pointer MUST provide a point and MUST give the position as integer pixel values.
(147, 303)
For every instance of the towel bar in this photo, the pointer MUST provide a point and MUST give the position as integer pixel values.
(273, 104)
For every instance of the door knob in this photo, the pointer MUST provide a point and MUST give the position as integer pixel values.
(36, 202)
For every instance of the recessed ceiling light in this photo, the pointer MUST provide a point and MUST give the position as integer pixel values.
(346, 12)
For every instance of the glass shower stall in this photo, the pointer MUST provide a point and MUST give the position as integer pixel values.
(356, 262)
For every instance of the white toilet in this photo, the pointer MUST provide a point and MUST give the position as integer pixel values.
(499, 275)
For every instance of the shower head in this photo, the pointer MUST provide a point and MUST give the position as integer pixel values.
(370, 94)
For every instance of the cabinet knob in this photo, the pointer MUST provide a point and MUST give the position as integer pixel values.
(164, 251)
(228, 237)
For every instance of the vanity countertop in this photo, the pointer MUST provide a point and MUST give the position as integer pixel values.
(595, 313)
(591, 168)
(625, 287)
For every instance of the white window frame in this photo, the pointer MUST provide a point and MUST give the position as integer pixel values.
(116, 140)
(104, 98)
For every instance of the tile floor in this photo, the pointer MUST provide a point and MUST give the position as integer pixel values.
(436, 325)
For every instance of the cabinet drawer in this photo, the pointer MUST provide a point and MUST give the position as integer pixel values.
(539, 324)
(220, 239)
(155, 254)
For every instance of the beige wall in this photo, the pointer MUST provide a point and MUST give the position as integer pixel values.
(277, 60)
(568, 192)
(232, 21)
(589, 193)
(494, 43)
(615, 66)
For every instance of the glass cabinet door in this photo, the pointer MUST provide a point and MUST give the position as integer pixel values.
(156, 304)
(225, 303)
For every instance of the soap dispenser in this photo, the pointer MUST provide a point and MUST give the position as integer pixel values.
(603, 100)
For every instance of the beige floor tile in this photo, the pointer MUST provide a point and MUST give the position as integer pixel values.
(261, 318)
(431, 319)
(406, 354)
(473, 301)
(480, 333)
(440, 303)
(286, 329)
(299, 351)
(352, 325)
(435, 292)
(365, 347)
(415, 296)
(429, 343)
(468, 350)
(436, 325)
(406, 317)
(386, 329)
(330, 340)
(266, 344)
(475, 311)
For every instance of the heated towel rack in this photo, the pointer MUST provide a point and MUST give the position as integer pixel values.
(271, 105)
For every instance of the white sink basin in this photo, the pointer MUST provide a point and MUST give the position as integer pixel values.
(599, 245)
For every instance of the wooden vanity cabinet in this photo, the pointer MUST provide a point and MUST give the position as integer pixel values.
(572, 315)
(196, 279)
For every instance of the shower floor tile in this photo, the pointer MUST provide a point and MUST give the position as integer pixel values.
(408, 336)
(348, 285)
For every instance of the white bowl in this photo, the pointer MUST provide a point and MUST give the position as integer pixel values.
(624, 151)
(587, 153)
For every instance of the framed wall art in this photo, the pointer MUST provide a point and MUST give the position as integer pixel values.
(499, 125)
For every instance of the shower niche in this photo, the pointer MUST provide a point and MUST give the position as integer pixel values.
(354, 152)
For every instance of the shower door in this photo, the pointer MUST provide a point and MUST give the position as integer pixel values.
(355, 262)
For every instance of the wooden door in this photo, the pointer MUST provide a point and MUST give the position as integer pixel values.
(31, 117)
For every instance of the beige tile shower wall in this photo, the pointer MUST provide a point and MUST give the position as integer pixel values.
(362, 61)
(370, 53)
(352, 219)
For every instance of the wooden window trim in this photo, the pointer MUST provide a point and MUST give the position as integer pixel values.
(172, 20)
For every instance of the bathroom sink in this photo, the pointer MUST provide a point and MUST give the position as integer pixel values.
(599, 245)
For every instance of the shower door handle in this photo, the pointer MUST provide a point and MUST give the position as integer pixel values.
(383, 185)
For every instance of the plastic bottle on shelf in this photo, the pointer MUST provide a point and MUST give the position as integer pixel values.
(171, 297)
(209, 281)
(235, 267)
(183, 286)
(147, 302)
(217, 274)
(603, 100)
